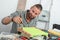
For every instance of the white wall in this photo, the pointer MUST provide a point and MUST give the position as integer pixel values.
(46, 4)
(30, 3)
(55, 13)
(6, 8)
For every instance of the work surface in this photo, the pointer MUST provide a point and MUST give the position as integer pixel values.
(30, 32)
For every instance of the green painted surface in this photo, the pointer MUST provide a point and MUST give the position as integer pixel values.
(34, 31)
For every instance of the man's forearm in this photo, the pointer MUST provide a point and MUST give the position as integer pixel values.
(6, 20)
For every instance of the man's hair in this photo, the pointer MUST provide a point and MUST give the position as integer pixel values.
(39, 6)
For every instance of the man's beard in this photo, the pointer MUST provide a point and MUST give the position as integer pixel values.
(30, 16)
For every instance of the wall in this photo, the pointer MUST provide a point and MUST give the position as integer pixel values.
(6, 8)
(30, 3)
(55, 13)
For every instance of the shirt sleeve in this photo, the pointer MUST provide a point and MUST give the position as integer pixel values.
(16, 13)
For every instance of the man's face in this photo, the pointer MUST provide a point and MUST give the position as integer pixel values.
(34, 11)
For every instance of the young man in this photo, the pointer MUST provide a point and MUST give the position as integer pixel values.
(27, 18)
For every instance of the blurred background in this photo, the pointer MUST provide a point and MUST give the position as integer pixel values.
(49, 15)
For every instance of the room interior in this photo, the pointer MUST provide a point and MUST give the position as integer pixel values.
(48, 17)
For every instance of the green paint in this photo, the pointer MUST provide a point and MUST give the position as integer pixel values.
(34, 31)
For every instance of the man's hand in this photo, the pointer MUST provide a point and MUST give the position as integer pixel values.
(17, 19)
(6, 20)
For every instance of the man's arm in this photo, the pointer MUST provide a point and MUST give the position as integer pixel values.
(6, 20)
(14, 17)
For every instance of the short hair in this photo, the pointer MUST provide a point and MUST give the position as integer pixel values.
(39, 6)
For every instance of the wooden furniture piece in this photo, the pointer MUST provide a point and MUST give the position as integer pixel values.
(21, 4)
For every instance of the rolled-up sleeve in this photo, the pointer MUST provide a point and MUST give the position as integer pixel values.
(16, 13)
(13, 14)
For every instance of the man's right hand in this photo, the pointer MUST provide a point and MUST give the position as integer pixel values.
(6, 20)
(17, 19)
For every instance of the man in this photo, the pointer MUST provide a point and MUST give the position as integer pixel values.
(26, 18)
